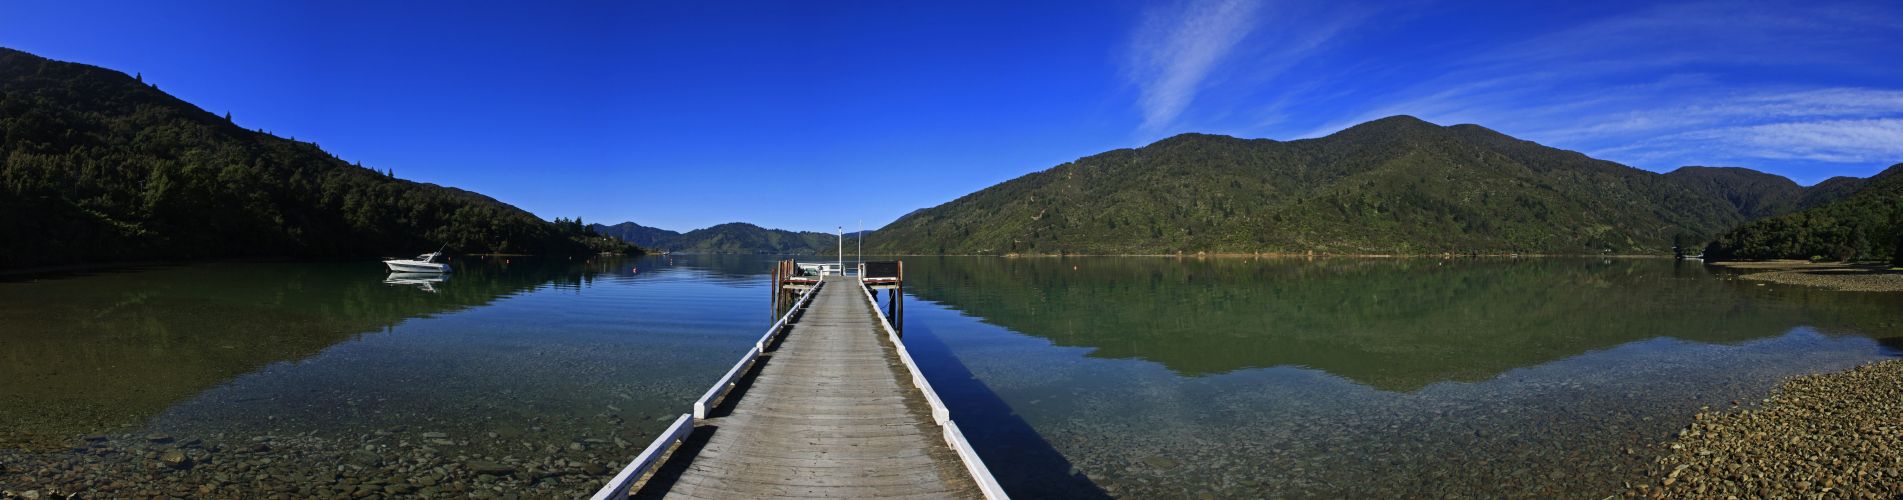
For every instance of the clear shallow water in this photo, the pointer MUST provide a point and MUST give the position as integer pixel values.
(1076, 377)
(1238, 378)
(576, 361)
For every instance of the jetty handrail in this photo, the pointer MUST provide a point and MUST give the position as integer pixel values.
(954, 438)
(725, 382)
(780, 326)
(618, 486)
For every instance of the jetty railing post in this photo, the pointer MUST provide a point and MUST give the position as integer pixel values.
(898, 301)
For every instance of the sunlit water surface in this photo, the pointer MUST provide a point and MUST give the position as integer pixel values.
(1075, 377)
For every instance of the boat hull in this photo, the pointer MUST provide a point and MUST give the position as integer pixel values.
(410, 266)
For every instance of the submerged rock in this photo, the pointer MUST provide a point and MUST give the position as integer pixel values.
(175, 459)
(490, 468)
(364, 459)
(1160, 462)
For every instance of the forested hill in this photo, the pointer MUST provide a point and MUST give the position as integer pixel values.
(1753, 193)
(646, 237)
(1394, 185)
(100, 166)
(729, 238)
(1864, 222)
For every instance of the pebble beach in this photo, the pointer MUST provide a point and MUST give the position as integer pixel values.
(1836, 434)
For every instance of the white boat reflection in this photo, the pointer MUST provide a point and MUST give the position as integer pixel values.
(423, 281)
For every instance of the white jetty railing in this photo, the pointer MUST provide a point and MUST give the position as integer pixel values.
(940, 414)
(618, 486)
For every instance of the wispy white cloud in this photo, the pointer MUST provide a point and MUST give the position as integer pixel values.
(1676, 84)
(1837, 141)
(1175, 50)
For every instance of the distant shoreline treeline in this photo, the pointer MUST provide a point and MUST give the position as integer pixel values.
(1866, 223)
(100, 167)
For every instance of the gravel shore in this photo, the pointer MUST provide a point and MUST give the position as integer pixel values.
(1837, 435)
(405, 464)
(1830, 275)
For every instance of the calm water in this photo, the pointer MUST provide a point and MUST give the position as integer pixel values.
(1142, 377)
(575, 361)
(1239, 378)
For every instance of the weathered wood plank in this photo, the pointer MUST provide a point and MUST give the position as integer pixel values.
(830, 410)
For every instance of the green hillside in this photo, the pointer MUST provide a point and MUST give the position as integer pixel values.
(1754, 194)
(1832, 189)
(639, 235)
(1866, 222)
(1392, 185)
(100, 167)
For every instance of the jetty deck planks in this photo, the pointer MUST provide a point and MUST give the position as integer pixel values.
(830, 413)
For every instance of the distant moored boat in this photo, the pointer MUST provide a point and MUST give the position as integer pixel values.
(425, 263)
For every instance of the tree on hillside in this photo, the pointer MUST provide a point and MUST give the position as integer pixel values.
(1896, 257)
(1682, 243)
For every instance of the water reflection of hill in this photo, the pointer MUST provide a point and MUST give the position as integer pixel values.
(86, 354)
(744, 270)
(1395, 324)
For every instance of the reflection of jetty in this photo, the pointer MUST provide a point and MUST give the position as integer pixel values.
(827, 404)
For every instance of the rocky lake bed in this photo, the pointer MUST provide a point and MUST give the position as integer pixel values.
(386, 463)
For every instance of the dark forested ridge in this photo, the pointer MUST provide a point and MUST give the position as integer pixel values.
(1754, 194)
(1395, 185)
(100, 166)
(1863, 222)
(643, 236)
(729, 238)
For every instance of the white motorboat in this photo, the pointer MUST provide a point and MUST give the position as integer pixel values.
(425, 263)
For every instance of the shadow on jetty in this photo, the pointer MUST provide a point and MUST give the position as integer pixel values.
(1022, 461)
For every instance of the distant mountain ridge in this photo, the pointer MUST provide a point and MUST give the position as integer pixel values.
(643, 236)
(1754, 194)
(1394, 185)
(729, 238)
(98, 166)
(1847, 219)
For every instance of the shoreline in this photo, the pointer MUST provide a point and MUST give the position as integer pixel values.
(27, 273)
(1840, 276)
(1838, 433)
(1268, 255)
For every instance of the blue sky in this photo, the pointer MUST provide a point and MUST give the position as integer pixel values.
(683, 114)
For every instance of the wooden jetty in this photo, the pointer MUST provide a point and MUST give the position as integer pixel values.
(827, 404)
